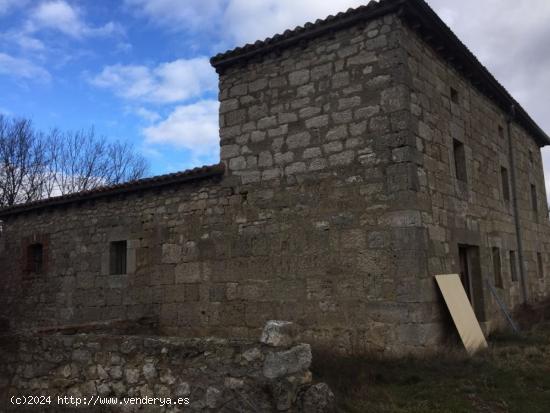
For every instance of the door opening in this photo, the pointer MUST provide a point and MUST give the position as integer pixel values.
(464, 271)
(470, 275)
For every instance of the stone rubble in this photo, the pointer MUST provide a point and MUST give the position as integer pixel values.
(217, 375)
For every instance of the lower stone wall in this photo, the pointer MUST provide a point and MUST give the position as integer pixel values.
(206, 375)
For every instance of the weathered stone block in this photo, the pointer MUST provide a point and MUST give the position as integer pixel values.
(265, 159)
(267, 122)
(298, 140)
(284, 158)
(237, 163)
(394, 98)
(339, 132)
(294, 168)
(229, 151)
(347, 103)
(366, 112)
(188, 272)
(269, 174)
(311, 153)
(239, 90)
(317, 122)
(298, 77)
(171, 253)
(258, 136)
(279, 333)
(258, 85)
(344, 158)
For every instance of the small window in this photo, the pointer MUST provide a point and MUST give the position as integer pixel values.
(505, 184)
(454, 95)
(534, 202)
(540, 265)
(118, 257)
(531, 159)
(513, 266)
(497, 267)
(460, 160)
(35, 255)
(501, 131)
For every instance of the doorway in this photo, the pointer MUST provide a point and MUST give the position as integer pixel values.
(470, 275)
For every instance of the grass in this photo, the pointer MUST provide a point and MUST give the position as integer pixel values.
(513, 375)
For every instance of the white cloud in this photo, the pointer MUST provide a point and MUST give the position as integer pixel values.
(22, 68)
(239, 20)
(8, 5)
(24, 40)
(147, 114)
(174, 81)
(511, 38)
(124, 47)
(130, 82)
(248, 21)
(192, 127)
(178, 15)
(61, 16)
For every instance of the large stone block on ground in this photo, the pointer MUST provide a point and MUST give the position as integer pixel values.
(279, 333)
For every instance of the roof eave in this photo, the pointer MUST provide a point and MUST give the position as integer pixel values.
(131, 187)
(224, 60)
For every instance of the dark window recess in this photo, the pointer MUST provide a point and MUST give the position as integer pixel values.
(531, 159)
(454, 95)
(540, 265)
(497, 267)
(501, 131)
(35, 256)
(118, 257)
(505, 184)
(460, 160)
(513, 266)
(534, 203)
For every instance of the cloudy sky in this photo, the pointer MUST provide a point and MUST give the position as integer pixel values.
(138, 69)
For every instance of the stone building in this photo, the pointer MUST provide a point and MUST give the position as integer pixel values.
(360, 156)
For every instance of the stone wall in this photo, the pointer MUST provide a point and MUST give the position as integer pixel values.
(475, 212)
(338, 205)
(315, 221)
(332, 119)
(214, 375)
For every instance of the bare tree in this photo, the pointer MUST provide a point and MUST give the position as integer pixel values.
(34, 165)
(22, 162)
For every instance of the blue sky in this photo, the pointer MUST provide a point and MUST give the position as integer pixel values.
(138, 70)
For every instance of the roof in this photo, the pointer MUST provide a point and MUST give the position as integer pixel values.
(195, 174)
(418, 15)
